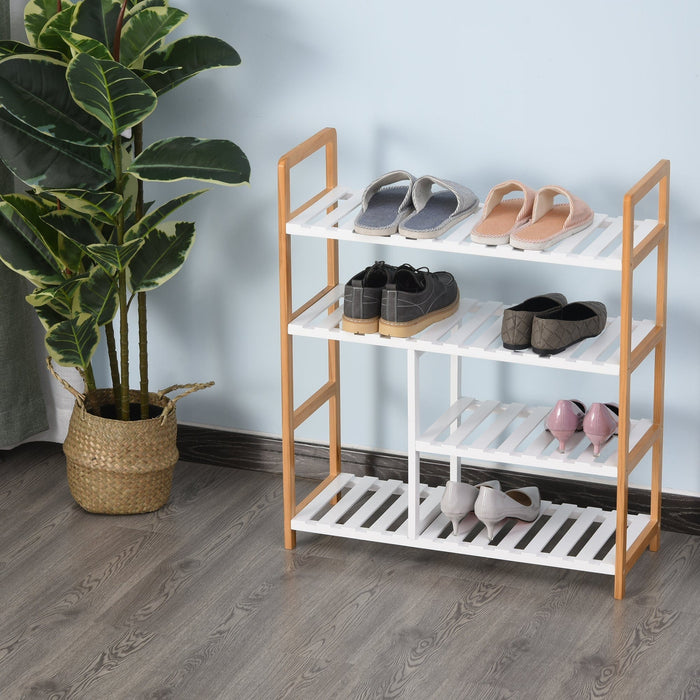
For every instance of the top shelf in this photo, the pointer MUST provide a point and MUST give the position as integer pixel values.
(599, 246)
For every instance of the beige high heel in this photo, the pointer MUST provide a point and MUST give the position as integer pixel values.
(492, 506)
(459, 498)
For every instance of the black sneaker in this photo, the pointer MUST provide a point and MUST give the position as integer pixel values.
(363, 298)
(415, 299)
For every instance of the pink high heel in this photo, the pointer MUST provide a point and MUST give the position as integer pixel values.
(565, 419)
(600, 424)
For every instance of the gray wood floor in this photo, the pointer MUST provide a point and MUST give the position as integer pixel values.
(200, 600)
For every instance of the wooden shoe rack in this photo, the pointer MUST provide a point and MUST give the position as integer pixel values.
(393, 512)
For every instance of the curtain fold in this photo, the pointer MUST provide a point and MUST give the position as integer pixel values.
(22, 407)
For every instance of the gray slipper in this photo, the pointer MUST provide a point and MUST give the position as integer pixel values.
(384, 208)
(437, 211)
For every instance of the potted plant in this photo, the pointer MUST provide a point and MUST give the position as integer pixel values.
(73, 102)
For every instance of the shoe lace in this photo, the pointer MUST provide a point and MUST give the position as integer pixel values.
(412, 276)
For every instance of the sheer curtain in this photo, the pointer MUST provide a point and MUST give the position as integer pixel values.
(32, 404)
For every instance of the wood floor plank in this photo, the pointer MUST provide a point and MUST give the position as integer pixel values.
(646, 654)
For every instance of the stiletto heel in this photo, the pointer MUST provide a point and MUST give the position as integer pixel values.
(490, 527)
(565, 419)
(597, 442)
(563, 437)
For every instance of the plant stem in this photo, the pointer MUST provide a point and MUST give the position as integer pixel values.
(142, 310)
(89, 377)
(124, 347)
(143, 353)
(121, 284)
(113, 359)
(116, 48)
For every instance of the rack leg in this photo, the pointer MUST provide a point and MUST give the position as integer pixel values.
(621, 541)
(455, 395)
(413, 456)
(657, 450)
(288, 466)
(333, 368)
(287, 365)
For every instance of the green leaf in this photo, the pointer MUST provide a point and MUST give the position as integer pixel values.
(36, 14)
(8, 47)
(34, 90)
(42, 162)
(61, 298)
(75, 227)
(84, 44)
(150, 221)
(144, 4)
(31, 210)
(146, 29)
(110, 92)
(102, 206)
(113, 257)
(51, 36)
(186, 57)
(23, 251)
(75, 234)
(73, 342)
(70, 254)
(48, 316)
(181, 158)
(164, 252)
(99, 297)
(97, 19)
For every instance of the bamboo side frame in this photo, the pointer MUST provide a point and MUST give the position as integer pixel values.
(330, 391)
(655, 342)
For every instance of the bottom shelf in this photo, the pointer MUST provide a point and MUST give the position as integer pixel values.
(564, 536)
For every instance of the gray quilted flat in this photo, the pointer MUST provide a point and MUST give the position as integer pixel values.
(516, 327)
(554, 331)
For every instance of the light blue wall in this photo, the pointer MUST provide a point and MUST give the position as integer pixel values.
(588, 95)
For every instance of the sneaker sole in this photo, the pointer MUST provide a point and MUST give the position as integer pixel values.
(406, 329)
(360, 325)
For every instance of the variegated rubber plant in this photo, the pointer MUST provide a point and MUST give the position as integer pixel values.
(73, 101)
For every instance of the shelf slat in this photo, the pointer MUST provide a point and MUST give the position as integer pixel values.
(349, 499)
(381, 495)
(576, 532)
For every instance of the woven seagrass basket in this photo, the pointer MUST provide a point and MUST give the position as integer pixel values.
(121, 467)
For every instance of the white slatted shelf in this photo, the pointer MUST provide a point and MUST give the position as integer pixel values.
(473, 331)
(599, 246)
(515, 434)
(559, 531)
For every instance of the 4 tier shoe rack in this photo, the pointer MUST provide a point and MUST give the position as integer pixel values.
(394, 512)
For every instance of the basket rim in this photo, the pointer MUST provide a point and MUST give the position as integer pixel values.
(105, 397)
